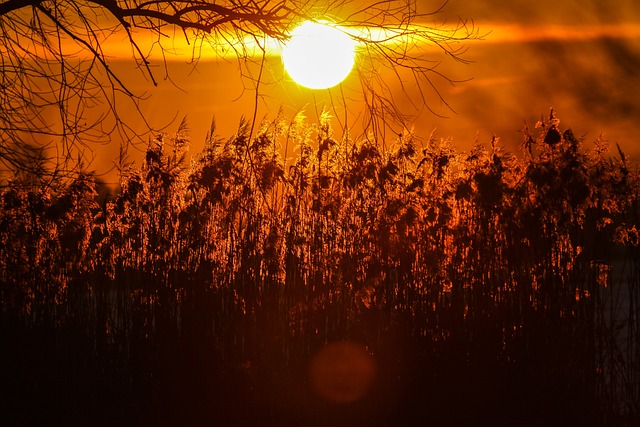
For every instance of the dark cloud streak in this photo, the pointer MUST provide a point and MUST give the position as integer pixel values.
(569, 12)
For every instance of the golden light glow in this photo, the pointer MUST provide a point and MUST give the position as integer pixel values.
(318, 55)
(514, 33)
(224, 45)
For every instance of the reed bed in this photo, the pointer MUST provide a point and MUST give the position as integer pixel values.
(487, 285)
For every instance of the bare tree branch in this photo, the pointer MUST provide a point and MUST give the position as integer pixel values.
(56, 75)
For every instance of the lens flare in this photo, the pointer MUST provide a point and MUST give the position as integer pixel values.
(342, 372)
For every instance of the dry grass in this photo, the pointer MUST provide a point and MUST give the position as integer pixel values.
(217, 280)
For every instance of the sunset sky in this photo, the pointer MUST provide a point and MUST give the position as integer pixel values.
(580, 57)
(282, 276)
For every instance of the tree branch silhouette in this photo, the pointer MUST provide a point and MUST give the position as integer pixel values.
(58, 87)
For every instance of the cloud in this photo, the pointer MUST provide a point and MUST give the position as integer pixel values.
(564, 12)
(520, 33)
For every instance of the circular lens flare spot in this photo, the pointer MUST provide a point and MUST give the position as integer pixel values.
(342, 372)
(318, 56)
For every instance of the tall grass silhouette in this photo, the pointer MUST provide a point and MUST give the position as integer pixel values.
(487, 284)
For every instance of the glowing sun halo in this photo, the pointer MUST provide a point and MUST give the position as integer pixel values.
(318, 56)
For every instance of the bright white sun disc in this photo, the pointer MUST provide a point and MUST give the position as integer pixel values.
(318, 56)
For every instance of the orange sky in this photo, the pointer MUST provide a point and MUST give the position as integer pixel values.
(587, 69)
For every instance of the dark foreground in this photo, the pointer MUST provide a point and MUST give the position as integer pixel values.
(348, 283)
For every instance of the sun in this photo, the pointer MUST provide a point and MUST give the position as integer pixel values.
(318, 55)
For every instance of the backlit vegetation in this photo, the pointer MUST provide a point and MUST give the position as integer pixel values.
(510, 276)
